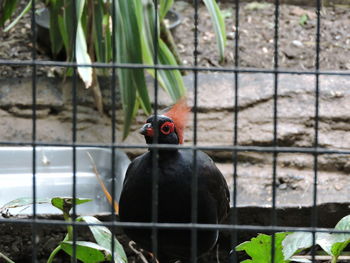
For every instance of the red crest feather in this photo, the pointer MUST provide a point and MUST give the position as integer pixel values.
(179, 114)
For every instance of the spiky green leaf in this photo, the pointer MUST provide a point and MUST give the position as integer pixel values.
(218, 24)
(55, 35)
(7, 8)
(14, 22)
(164, 6)
(128, 50)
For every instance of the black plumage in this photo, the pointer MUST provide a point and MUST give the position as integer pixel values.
(176, 170)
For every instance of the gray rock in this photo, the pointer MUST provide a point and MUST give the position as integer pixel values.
(215, 127)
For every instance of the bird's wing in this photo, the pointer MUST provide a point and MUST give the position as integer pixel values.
(217, 187)
(134, 166)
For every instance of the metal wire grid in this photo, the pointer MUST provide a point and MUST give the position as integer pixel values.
(235, 148)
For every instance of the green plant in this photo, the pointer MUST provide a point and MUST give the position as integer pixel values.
(7, 259)
(287, 244)
(87, 252)
(135, 39)
(259, 248)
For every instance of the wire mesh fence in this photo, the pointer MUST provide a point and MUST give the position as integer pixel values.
(232, 225)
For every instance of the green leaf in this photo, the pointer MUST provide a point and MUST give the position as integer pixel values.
(7, 7)
(128, 50)
(98, 32)
(14, 22)
(63, 32)
(82, 55)
(296, 242)
(7, 259)
(218, 24)
(170, 80)
(226, 13)
(164, 7)
(65, 204)
(341, 241)
(24, 201)
(108, 42)
(103, 237)
(303, 19)
(332, 244)
(56, 39)
(259, 248)
(173, 79)
(87, 252)
(68, 21)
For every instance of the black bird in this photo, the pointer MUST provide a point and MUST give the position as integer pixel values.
(176, 169)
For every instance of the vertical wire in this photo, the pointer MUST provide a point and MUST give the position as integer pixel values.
(113, 133)
(74, 130)
(275, 127)
(314, 216)
(34, 82)
(194, 192)
(234, 235)
(155, 151)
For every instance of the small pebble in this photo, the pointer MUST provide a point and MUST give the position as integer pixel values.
(231, 35)
(282, 186)
(297, 43)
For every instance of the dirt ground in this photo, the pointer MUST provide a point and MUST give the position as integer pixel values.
(297, 31)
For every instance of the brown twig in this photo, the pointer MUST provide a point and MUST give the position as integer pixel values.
(137, 252)
(104, 189)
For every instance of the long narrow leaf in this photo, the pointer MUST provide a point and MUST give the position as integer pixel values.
(128, 50)
(170, 80)
(218, 24)
(63, 33)
(98, 32)
(55, 36)
(14, 22)
(175, 86)
(82, 55)
(108, 37)
(68, 19)
(7, 9)
(164, 7)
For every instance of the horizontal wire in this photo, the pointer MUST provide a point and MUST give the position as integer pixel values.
(233, 148)
(177, 226)
(168, 67)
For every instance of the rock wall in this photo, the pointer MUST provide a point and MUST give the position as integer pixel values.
(215, 127)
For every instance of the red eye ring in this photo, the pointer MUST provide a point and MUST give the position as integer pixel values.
(167, 127)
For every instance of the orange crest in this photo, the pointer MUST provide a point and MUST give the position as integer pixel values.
(179, 114)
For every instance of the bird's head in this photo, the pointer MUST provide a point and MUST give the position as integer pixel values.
(170, 125)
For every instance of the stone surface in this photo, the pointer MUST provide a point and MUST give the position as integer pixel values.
(215, 127)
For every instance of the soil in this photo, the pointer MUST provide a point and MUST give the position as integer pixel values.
(256, 39)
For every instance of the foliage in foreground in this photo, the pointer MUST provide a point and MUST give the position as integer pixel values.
(128, 37)
(85, 251)
(287, 245)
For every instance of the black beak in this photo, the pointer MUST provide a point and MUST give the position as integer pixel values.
(147, 130)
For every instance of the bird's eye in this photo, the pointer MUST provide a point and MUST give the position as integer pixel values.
(167, 128)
